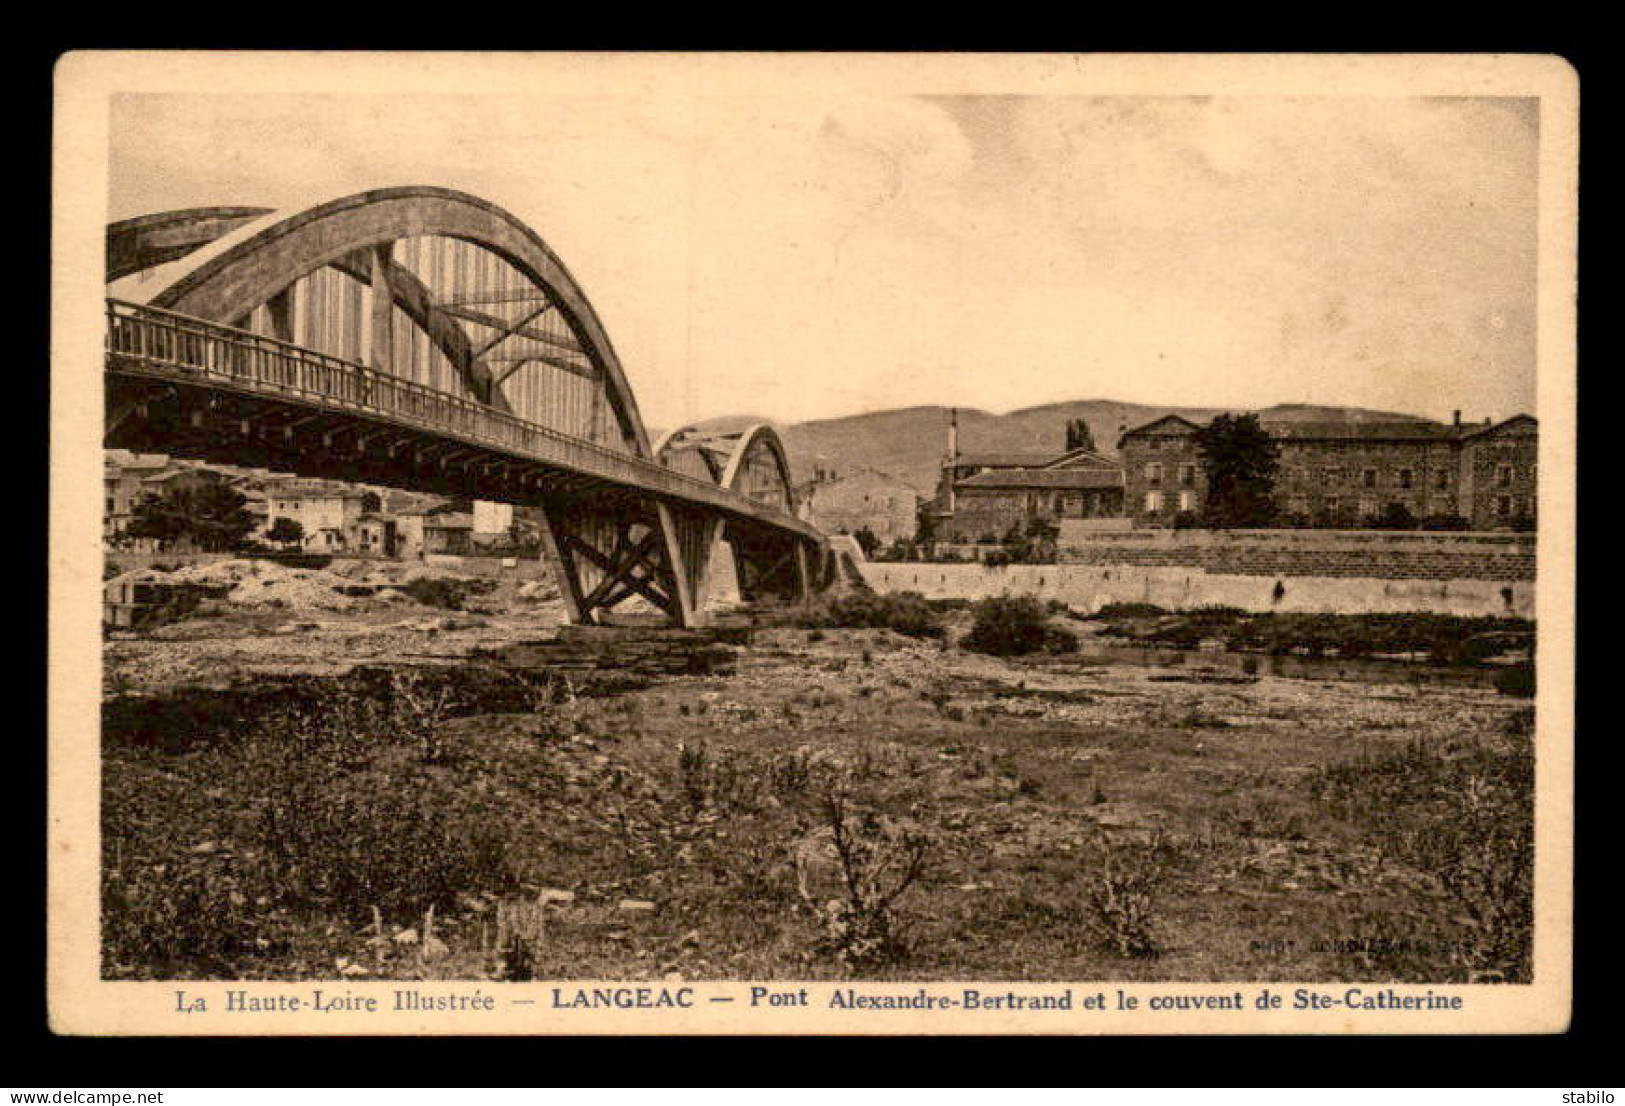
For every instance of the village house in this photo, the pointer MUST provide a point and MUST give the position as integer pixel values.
(448, 532)
(329, 513)
(1338, 474)
(123, 484)
(129, 478)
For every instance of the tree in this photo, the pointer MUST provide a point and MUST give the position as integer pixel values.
(1396, 516)
(286, 531)
(1241, 461)
(210, 517)
(1079, 436)
(867, 541)
(925, 523)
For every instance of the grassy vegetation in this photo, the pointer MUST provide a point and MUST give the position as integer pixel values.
(1443, 639)
(849, 806)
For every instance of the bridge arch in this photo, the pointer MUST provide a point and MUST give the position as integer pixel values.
(760, 469)
(680, 448)
(248, 266)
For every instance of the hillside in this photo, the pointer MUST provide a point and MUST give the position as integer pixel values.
(909, 442)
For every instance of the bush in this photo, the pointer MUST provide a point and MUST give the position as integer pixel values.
(906, 612)
(1011, 627)
(1518, 680)
(1112, 611)
(1122, 897)
(447, 592)
(878, 859)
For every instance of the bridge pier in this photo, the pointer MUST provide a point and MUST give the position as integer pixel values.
(602, 556)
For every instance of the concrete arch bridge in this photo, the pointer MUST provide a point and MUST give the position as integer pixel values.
(425, 339)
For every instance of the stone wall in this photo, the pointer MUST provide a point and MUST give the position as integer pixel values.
(1352, 554)
(1345, 571)
(1087, 588)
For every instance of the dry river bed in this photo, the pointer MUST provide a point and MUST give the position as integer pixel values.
(1068, 823)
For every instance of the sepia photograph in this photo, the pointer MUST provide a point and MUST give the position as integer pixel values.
(765, 537)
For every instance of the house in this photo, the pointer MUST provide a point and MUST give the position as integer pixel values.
(328, 512)
(127, 479)
(1338, 474)
(982, 496)
(864, 498)
(123, 477)
(448, 532)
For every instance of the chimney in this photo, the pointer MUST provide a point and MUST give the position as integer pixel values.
(1456, 420)
(953, 454)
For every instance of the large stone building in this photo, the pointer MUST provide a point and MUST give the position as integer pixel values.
(867, 498)
(1340, 474)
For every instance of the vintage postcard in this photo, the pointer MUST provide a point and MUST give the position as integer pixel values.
(780, 544)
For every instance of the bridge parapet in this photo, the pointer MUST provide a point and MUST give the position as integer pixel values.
(150, 341)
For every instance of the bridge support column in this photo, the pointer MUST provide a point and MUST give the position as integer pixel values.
(604, 555)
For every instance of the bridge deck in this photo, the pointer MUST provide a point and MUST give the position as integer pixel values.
(156, 344)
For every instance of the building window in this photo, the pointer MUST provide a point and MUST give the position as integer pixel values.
(1153, 502)
(1503, 476)
(1368, 508)
(1404, 478)
(1187, 501)
(1442, 479)
(1153, 472)
(1368, 478)
(1503, 506)
(1334, 476)
(1187, 476)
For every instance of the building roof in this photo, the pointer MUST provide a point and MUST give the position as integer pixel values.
(1345, 430)
(1081, 458)
(1001, 460)
(1361, 431)
(312, 489)
(171, 474)
(863, 473)
(1045, 478)
(1504, 424)
(452, 520)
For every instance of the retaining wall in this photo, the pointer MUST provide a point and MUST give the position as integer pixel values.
(1087, 588)
(1359, 554)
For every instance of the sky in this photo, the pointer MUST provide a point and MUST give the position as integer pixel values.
(801, 257)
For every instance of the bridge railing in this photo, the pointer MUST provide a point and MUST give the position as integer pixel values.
(183, 346)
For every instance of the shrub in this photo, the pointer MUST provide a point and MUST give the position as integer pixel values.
(1517, 680)
(906, 612)
(877, 860)
(1122, 897)
(446, 592)
(1007, 627)
(1111, 611)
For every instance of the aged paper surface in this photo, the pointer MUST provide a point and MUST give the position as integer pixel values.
(799, 238)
